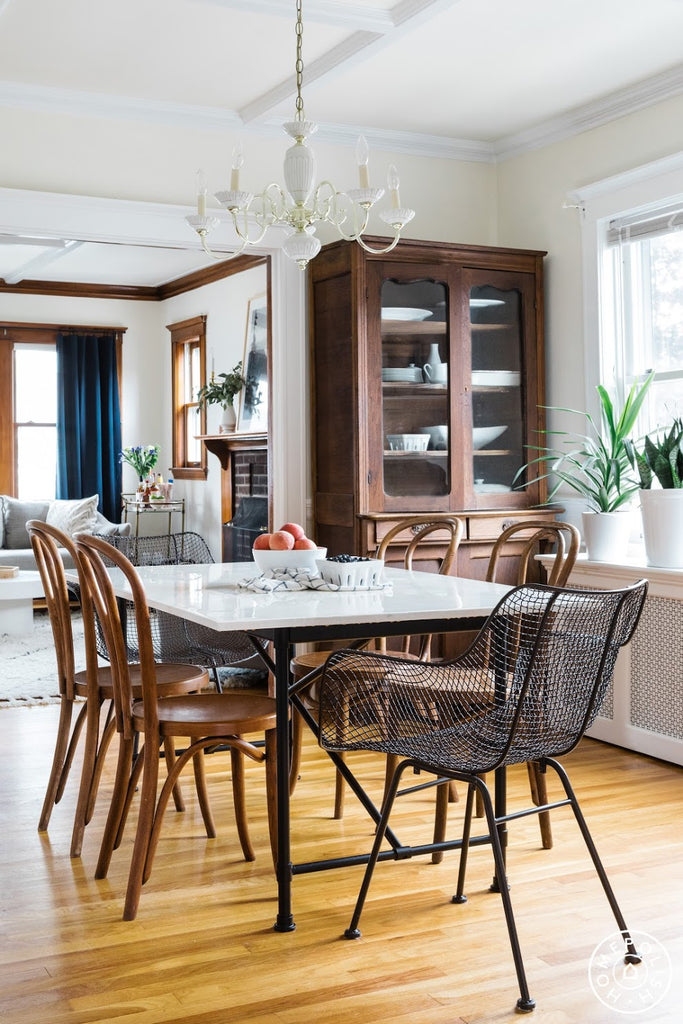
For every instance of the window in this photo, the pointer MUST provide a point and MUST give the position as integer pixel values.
(188, 367)
(642, 306)
(35, 420)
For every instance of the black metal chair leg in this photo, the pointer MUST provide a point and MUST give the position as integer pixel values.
(352, 931)
(464, 849)
(632, 955)
(525, 1003)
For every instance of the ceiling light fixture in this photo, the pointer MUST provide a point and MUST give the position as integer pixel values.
(301, 205)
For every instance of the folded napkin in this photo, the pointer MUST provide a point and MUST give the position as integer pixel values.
(299, 579)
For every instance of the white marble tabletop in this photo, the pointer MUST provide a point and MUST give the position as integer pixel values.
(210, 595)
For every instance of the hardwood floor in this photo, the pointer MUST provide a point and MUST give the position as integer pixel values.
(202, 949)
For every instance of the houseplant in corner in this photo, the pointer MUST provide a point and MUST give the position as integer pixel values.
(661, 507)
(221, 390)
(599, 465)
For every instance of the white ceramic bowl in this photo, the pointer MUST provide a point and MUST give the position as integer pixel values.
(438, 436)
(352, 574)
(267, 560)
(484, 435)
(408, 442)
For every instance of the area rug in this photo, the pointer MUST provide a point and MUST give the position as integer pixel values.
(28, 665)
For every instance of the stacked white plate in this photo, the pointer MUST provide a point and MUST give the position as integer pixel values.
(401, 374)
(496, 378)
(404, 313)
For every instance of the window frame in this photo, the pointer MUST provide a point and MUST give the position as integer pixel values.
(654, 185)
(185, 335)
(18, 333)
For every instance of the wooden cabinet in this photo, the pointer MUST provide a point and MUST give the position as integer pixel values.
(427, 375)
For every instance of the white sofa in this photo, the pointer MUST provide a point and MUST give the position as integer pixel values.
(70, 516)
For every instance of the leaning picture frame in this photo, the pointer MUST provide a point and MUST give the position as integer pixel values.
(253, 408)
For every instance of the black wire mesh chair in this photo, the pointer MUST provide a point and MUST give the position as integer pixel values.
(174, 638)
(526, 690)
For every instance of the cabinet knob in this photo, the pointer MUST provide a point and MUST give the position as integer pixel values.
(505, 524)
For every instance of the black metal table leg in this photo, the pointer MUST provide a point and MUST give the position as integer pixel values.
(285, 919)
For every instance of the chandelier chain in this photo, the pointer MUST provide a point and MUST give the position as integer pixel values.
(299, 66)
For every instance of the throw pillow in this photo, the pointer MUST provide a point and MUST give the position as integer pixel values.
(16, 515)
(73, 516)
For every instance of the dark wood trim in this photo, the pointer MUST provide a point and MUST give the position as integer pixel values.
(25, 328)
(207, 276)
(222, 445)
(144, 293)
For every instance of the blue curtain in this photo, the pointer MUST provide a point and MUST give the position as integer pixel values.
(89, 420)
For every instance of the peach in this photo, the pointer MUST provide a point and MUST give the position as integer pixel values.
(296, 531)
(281, 540)
(304, 544)
(262, 541)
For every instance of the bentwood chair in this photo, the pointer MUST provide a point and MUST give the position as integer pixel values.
(175, 638)
(93, 686)
(526, 690)
(208, 720)
(444, 536)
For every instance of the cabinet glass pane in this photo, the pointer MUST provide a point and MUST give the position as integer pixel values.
(415, 388)
(497, 400)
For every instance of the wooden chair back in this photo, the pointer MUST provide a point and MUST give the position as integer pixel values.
(423, 528)
(527, 538)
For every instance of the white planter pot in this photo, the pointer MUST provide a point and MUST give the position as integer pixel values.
(662, 513)
(607, 534)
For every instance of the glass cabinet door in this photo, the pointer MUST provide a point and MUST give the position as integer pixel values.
(497, 382)
(415, 388)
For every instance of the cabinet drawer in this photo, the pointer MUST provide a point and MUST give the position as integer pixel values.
(405, 536)
(490, 527)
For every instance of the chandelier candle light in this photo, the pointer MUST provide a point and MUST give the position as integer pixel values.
(301, 205)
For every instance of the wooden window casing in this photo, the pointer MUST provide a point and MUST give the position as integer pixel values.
(11, 334)
(188, 336)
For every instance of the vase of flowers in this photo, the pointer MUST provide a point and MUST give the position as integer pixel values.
(221, 390)
(143, 458)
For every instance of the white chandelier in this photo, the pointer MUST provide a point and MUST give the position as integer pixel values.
(301, 205)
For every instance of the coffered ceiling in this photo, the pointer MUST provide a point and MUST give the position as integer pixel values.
(462, 79)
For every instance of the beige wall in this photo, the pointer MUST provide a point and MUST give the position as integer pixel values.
(518, 202)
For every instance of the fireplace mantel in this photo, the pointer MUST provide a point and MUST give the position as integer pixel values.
(223, 445)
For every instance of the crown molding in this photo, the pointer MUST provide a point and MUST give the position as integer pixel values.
(619, 104)
(592, 115)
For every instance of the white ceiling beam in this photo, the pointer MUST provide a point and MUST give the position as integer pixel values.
(48, 256)
(356, 48)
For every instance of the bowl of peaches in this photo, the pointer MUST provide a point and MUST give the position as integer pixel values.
(286, 548)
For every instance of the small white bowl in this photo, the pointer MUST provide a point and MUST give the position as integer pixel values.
(408, 442)
(484, 435)
(267, 560)
(352, 574)
(438, 436)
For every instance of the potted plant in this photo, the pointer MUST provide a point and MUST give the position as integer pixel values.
(661, 507)
(221, 390)
(599, 465)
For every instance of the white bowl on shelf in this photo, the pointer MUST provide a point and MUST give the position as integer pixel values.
(408, 442)
(367, 573)
(484, 435)
(438, 436)
(268, 560)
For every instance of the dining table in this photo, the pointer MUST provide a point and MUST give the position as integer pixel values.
(220, 596)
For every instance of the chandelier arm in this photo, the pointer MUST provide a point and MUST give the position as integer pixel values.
(378, 252)
(242, 232)
(222, 256)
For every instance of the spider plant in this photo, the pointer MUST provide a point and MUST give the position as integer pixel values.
(598, 464)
